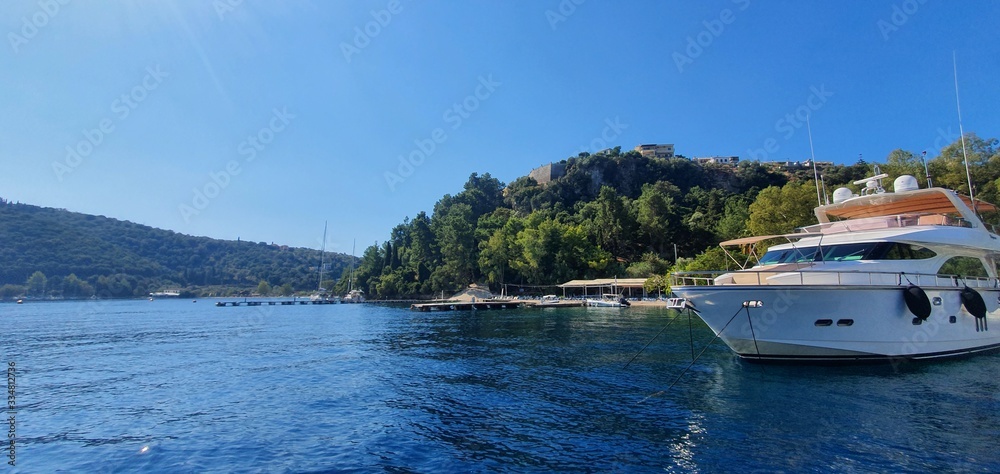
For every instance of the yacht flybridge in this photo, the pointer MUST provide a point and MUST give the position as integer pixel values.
(910, 274)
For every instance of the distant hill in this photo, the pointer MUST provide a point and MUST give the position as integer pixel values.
(120, 258)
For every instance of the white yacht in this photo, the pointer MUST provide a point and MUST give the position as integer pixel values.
(890, 276)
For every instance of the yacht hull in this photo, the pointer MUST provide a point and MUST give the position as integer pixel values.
(843, 323)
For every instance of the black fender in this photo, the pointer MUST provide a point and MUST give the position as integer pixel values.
(917, 302)
(973, 302)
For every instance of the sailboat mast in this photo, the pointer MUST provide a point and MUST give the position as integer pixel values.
(350, 281)
(322, 255)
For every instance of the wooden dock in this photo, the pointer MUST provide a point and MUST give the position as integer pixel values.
(558, 304)
(466, 305)
(223, 304)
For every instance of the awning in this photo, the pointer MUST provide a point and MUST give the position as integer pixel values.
(924, 201)
(754, 240)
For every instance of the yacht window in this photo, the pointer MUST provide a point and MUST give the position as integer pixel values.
(848, 252)
(995, 260)
(836, 253)
(806, 254)
(900, 251)
(964, 266)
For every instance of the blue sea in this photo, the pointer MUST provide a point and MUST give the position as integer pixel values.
(182, 386)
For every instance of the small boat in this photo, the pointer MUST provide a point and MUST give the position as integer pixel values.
(548, 300)
(321, 294)
(354, 296)
(609, 300)
(884, 276)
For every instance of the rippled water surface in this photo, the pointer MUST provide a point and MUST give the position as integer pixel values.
(177, 386)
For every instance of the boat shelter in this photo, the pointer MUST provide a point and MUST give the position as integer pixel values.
(628, 287)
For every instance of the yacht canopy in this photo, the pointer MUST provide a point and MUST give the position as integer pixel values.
(923, 201)
(754, 240)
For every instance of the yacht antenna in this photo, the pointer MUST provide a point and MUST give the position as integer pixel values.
(927, 174)
(965, 156)
(819, 202)
(826, 198)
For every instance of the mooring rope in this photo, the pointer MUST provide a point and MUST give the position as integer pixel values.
(661, 392)
(651, 340)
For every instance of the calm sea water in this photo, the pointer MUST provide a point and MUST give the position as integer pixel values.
(176, 386)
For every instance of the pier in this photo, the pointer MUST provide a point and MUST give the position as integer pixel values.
(466, 305)
(223, 304)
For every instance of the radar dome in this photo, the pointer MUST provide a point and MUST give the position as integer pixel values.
(905, 183)
(842, 194)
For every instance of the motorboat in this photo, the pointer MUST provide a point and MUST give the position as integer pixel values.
(884, 276)
(609, 300)
(548, 300)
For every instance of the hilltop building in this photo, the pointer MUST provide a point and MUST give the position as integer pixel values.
(657, 151)
(549, 172)
(722, 160)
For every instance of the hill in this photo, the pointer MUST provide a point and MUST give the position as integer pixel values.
(624, 214)
(81, 255)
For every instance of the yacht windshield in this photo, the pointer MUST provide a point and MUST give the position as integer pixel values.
(847, 252)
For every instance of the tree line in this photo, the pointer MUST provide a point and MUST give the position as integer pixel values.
(48, 252)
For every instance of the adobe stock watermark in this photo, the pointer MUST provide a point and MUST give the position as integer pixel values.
(901, 13)
(218, 181)
(791, 122)
(222, 7)
(915, 344)
(121, 108)
(363, 35)
(47, 10)
(769, 316)
(612, 130)
(564, 10)
(714, 28)
(456, 115)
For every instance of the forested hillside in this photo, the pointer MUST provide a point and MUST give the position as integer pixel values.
(79, 255)
(622, 214)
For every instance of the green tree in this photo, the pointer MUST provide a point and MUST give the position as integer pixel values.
(263, 288)
(781, 210)
(901, 162)
(455, 234)
(713, 259)
(948, 168)
(656, 284)
(733, 223)
(659, 214)
(74, 287)
(610, 221)
(498, 250)
(36, 284)
(10, 291)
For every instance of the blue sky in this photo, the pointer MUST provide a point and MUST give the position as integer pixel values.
(261, 120)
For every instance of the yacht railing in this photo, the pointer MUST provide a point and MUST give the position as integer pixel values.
(806, 278)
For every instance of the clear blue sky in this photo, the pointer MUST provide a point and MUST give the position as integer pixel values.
(310, 105)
